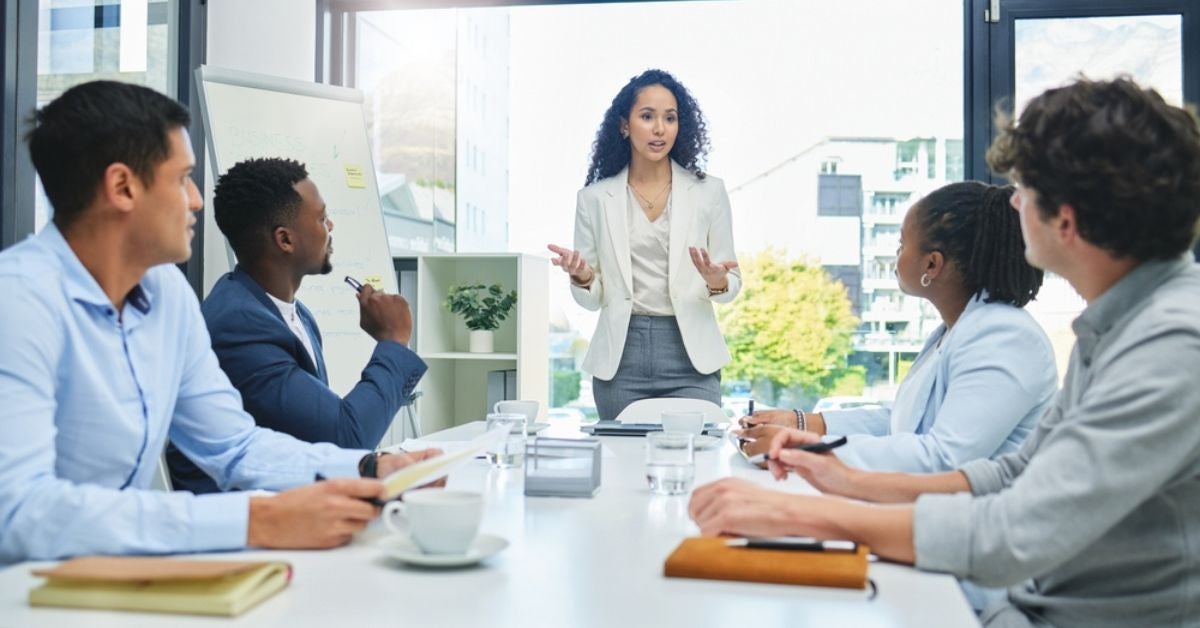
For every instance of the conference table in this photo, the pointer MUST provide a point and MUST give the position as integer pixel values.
(570, 562)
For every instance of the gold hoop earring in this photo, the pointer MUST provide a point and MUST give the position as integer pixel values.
(925, 280)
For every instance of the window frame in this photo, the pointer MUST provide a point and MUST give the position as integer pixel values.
(991, 52)
(19, 58)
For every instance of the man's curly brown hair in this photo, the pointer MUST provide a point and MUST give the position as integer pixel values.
(1125, 160)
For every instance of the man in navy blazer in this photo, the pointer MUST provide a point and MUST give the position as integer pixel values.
(269, 344)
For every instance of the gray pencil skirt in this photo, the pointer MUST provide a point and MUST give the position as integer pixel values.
(654, 363)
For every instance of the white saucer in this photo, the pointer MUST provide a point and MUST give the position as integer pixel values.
(704, 441)
(535, 427)
(401, 548)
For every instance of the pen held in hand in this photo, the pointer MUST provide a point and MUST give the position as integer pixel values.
(814, 448)
(353, 283)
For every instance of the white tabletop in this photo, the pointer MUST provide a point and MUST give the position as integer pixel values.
(571, 562)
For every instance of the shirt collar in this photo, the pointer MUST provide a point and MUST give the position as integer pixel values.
(1103, 313)
(80, 285)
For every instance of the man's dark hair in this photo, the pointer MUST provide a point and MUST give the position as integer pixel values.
(1128, 163)
(91, 126)
(976, 229)
(253, 198)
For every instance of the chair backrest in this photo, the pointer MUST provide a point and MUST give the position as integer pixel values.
(162, 478)
(650, 410)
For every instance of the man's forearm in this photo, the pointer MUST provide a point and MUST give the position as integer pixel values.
(887, 530)
(904, 488)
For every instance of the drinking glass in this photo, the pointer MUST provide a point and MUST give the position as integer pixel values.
(509, 452)
(670, 462)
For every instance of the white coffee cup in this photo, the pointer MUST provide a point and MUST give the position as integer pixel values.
(687, 422)
(437, 521)
(528, 408)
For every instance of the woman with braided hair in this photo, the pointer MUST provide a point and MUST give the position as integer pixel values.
(986, 373)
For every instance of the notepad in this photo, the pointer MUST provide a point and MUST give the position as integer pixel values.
(164, 585)
(711, 559)
(426, 471)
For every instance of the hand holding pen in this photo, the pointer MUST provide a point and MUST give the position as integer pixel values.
(383, 316)
(792, 451)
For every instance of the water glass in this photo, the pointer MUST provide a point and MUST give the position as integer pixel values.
(509, 452)
(670, 462)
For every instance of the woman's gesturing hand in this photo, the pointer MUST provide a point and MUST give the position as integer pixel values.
(714, 273)
(572, 262)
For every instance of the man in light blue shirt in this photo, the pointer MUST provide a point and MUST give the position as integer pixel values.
(105, 355)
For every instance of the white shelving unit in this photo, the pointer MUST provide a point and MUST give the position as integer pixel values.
(454, 389)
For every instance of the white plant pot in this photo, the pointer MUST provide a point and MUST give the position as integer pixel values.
(481, 341)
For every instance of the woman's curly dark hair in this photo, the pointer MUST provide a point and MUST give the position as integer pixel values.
(610, 151)
(1125, 160)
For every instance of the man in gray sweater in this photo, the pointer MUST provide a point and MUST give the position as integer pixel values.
(1095, 521)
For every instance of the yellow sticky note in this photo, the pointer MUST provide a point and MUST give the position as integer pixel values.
(354, 177)
(376, 281)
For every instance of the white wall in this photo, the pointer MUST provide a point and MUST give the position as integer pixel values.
(276, 37)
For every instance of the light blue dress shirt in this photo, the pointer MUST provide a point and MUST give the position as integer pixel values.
(89, 396)
(976, 396)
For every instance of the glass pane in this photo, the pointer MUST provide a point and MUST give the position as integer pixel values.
(86, 40)
(1052, 52)
(822, 148)
(407, 70)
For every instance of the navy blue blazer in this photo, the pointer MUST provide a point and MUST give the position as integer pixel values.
(281, 387)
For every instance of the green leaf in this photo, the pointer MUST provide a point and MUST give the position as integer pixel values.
(480, 312)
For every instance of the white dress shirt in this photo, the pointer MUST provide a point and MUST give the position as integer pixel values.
(288, 311)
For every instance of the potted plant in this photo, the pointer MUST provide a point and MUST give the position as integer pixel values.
(481, 313)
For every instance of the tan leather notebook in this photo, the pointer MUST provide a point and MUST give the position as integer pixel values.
(711, 559)
(167, 585)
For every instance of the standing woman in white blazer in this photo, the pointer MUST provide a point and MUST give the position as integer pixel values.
(653, 250)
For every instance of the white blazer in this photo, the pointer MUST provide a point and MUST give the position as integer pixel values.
(700, 216)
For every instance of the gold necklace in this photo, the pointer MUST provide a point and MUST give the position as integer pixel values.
(649, 203)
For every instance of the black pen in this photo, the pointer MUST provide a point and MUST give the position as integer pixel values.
(750, 410)
(794, 543)
(374, 501)
(814, 448)
(353, 283)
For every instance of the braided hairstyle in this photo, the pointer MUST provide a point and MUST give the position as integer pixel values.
(611, 151)
(974, 227)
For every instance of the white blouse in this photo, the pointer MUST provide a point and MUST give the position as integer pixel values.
(649, 254)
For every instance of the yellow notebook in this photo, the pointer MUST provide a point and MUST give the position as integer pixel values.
(166, 585)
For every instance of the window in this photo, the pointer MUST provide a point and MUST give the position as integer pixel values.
(1049, 43)
(106, 39)
(839, 195)
(521, 127)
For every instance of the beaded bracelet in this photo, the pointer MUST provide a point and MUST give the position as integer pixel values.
(801, 419)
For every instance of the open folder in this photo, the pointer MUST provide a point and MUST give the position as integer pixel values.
(426, 471)
(165, 585)
(712, 559)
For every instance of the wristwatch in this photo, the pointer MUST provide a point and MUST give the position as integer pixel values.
(368, 466)
(713, 293)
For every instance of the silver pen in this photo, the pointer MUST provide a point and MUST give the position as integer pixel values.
(795, 543)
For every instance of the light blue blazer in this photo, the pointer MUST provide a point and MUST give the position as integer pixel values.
(979, 398)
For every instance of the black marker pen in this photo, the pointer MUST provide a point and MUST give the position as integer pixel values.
(354, 283)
